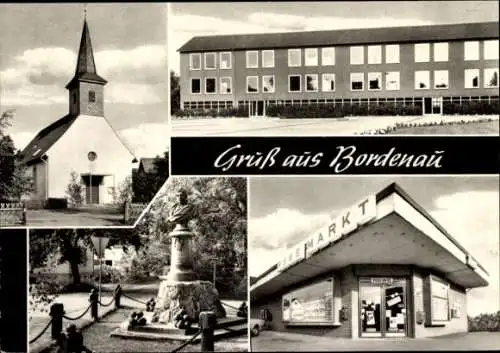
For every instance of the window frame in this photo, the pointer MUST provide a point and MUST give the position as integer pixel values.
(290, 51)
(247, 53)
(205, 55)
(230, 84)
(485, 51)
(257, 80)
(478, 78)
(447, 79)
(398, 55)
(428, 52)
(300, 83)
(274, 83)
(306, 50)
(323, 50)
(215, 85)
(428, 79)
(477, 50)
(351, 75)
(264, 52)
(351, 49)
(387, 80)
(435, 47)
(381, 84)
(494, 69)
(191, 55)
(191, 85)
(229, 61)
(371, 48)
(92, 96)
(334, 82)
(305, 83)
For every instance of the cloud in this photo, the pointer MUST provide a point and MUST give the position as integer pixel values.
(21, 139)
(147, 140)
(39, 75)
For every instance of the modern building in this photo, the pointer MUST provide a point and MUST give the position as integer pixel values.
(82, 142)
(382, 268)
(422, 65)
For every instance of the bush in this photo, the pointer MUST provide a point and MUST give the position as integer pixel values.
(471, 108)
(109, 275)
(57, 203)
(240, 112)
(484, 322)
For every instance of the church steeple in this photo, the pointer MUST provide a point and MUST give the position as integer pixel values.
(87, 87)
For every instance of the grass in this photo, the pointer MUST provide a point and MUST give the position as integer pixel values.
(479, 128)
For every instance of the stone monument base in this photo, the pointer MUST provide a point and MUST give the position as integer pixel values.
(193, 296)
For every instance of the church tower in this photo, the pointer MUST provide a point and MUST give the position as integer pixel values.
(86, 89)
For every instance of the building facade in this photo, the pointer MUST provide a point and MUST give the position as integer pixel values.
(382, 268)
(424, 66)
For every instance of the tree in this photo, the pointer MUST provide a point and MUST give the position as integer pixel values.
(125, 192)
(13, 180)
(147, 184)
(74, 190)
(175, 93)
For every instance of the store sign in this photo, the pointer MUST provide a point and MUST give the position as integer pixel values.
(382, 281)
(346, 222)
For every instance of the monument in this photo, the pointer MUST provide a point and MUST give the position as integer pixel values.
(181, 289)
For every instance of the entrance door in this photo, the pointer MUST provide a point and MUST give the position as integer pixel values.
(382, 307)
(433, 105)
(92, 194)
(257, 108)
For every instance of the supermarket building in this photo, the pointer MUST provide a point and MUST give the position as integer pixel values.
(427, 66)
(383, 268)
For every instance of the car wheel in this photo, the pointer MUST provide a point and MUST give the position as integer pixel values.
(255, 331)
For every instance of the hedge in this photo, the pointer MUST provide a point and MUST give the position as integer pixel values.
(472, 108)
(240, 112)
(484, 322)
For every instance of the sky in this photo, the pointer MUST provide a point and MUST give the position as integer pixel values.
(38, 48)
(286, 210)
(187, 20)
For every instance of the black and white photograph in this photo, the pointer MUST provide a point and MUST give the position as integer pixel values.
(334, 68)
(177, 281)
(374, 263)
(83, 93)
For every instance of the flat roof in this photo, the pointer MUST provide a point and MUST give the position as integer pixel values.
(446, 32)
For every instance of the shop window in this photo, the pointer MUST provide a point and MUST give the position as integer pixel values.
(440, 52)
(422, 80)
(374, 54)
(195, 85)
(328, 84)
(441, 79)
(311, 83)
(252, 84)
(471, 78)
(491, 49)
(210, 85)
(374, 81)
(491, 78)
(328, 56)
(226, 85)
(225, 60)
(436, 292)
(210, 61)
(294, 83)
(357, 81)
(294, 57)
(268, 58)
(357, 55)
(312, 304)
(252, 59)
(422, 52)
(392, 54)
(311, 56)
(268, 84)
(392, 80)
(195, 61)
(471, 50)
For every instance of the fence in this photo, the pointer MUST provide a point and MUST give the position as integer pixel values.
(12, 214)
(133, 211)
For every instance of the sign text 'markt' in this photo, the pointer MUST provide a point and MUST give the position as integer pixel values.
(346, 222)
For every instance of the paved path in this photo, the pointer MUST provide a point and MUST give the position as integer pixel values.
(73, 218)
(298, 127)
(280, 341)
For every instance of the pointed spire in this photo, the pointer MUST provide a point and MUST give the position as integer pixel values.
(85, 63)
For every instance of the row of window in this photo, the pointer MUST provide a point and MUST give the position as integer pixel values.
(356, 53)
(375, 82)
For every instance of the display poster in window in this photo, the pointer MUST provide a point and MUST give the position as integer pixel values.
(310, 304)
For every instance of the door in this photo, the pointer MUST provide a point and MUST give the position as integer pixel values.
(395, 311)
(257, 108)
(433, 105)
(92, 194)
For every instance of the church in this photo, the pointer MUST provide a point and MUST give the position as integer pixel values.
(82, 142)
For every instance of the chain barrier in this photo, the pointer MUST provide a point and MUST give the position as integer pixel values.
(136, 300)
(111, 302)
(229, 306)
(187, 342)
(41, 333)
(78, 317)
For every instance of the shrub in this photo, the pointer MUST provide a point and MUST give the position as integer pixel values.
(472, 108)
(240, 112)
(484, 322)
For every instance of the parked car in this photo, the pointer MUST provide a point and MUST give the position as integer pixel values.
(257, 325)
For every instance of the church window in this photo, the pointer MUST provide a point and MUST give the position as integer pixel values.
(91, 96)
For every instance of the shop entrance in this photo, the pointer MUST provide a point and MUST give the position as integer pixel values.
(383, 307)
(257, 108)
(433, 105)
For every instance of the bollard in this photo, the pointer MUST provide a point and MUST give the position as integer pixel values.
(94, 304)
(207, 324)
(56, 313)
(118, 295)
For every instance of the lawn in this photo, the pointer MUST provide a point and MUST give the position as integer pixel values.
(474, 128)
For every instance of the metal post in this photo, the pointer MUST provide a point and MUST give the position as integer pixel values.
(207, 325)
(100, 271)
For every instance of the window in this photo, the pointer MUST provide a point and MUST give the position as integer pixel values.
(491, 78)
(471, 78)
(195, 61)
(209, 61)
(310, 304)
(374, 81)
(225, 60)
(311, 56)
(438, 292)
(311, 83)
(491, 49)
(91, 96)
(471, 51)
(357, 81)
(422, 52)
(294, 57)
(328, 84)
(422, 80)
(392, 54)
(268, 58)
(294, 83)
(328, 56)
(210, 85)
(252, 59)
(440, 52)
(374, 54)
(252, 84)
(226, 85)
(441, 79)
(392, 80)
(268, 83)
(195, 85)
(357, 55)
